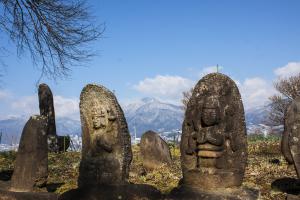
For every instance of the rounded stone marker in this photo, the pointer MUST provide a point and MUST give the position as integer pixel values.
(106, 146)
(154, 151)
(214, 141)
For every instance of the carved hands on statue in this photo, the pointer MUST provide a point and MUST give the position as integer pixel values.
(105, 146)
(210, 135)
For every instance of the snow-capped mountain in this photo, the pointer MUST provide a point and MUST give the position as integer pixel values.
(143, 115)
(12, 127)
(257, 115)
(152, 114)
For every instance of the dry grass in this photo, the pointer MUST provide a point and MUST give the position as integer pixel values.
(260, 173)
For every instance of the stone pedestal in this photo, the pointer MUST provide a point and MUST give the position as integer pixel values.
(114, 192)
(186, 193)
(9, 195)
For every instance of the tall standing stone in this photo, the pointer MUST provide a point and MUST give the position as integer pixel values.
(214, 142)
(155, 152)
(291, 135)
(31, 165)
(106, 146)
(47, 107)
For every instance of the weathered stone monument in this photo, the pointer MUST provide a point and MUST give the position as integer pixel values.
(47, 107)
(106, 146)
(154, 151)
(214, 142)
(31, 165)
(106, 151)
(290, 144)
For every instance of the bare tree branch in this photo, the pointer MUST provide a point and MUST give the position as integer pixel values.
(289, 89)
(55, 32)
(186, 97)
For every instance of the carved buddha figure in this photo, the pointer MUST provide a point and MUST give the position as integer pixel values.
(213, 142)
(99, 118)
(106, 147)
(102, 137)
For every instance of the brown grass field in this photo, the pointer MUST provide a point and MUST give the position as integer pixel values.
(265, 165)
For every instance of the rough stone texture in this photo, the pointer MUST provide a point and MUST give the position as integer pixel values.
(31, 165)
(154, 151)
(214, 144)
(8, 195)
(291, 136)
(187, 193)
(292, 197)
(285, 149)
(106, 146)
(47, 107)
(114, 192)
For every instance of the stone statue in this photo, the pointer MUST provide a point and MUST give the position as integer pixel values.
(47, 107)
(31, 165)
(214, 142)
(291, 136)
(106, 146)
(154, 151)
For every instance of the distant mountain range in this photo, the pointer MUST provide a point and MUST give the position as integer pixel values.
(152, 114)
(143, 115)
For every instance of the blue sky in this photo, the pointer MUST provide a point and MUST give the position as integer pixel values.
(161, 48)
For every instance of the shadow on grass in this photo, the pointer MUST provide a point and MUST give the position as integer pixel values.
(287, 185)
(6, 175)
(52, 187)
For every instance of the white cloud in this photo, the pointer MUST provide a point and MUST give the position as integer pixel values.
(29, 105)
(167, 88)
(210, 69)
(292, 68)
(66, 107)
(255, 92)
(4, 94)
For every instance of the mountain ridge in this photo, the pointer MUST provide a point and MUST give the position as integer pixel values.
(141, 116)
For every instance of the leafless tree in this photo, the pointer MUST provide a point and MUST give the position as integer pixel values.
(55, 32)
(186, 97)
(289, 89)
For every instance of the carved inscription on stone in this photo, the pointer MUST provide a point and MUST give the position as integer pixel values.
(106, 150)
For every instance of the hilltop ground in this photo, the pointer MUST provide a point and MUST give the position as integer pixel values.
(267, 170)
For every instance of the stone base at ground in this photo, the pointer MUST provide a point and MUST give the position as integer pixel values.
(293, 197)
(113, 192)
(8, 195)
(185, 193)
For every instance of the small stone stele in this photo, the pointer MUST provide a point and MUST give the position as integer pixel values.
(106, 146)
(31, 165)
(291, 136)
(155, 151)
(47, 107)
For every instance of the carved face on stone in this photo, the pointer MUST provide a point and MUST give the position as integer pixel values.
(213, 145)
(106, 147)
(99, 118)
(210, 112)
